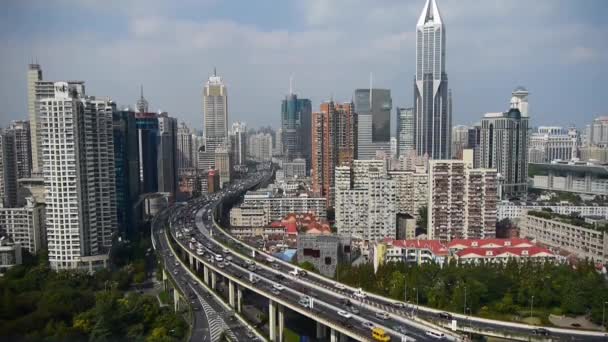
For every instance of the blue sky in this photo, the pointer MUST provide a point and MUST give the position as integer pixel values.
(558, 49)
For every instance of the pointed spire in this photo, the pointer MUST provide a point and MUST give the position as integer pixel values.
(430, 12)
(214, 72)
(141, 91)
(291, 84)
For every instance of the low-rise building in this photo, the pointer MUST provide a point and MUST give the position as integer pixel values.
(265, 232)
(512, 210)
(279, 206)
(295, 168)
(415, 251)
(571, 176)
(246, 216)
(324, 251)
(503, 254)
(574, 235)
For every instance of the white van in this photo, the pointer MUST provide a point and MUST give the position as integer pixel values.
(219, 258)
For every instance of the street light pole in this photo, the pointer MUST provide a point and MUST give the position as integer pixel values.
(531, 306)
(465, 301)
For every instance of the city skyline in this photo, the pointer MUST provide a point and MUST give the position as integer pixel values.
(275, 48)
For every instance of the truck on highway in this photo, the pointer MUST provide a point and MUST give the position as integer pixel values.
(378, 334)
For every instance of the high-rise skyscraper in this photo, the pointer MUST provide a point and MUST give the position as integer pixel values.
(185, 149)
(126, 164)
(406, 127)
(373, 108)
(8, 169)
(432, 98)
(34, 74)
(167, 154)
(215, 119)
(23, 146)
(238, 142)
(142, 103)
(504, 147)
(79, 177)
(519, 100)
(295, 123)
(147, 138)
(260, 146)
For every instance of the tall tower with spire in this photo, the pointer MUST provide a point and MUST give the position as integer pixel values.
(142, 103)
(432, 107)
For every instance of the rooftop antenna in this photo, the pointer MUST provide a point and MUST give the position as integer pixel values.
(291, 84)
(371, 79)
(141, 90)
(214, 72)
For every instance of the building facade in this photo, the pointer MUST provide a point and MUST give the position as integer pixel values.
(406, 130)
(8, 169)
(238, 142)
(504, 147)
(79, 176)
(577, 177)
(25, 226)
(295, 120)
(432, 98)
(278, 207)
(461, 201)
(373, 107)
(23, 147)
(167, 154)
(215, 116)
(185, 149)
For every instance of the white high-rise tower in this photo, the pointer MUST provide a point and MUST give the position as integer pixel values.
(432, 100)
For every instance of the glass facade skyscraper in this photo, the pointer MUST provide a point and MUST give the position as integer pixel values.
(432, 101)
(373, 108)
(295, 123)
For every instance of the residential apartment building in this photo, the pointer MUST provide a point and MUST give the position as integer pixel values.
(295, 168)
(8, 169)
(512, 210)
(185, 149)
(23, 147)
(260, 146)
(278, 207)
(79, 175)
(461, 201)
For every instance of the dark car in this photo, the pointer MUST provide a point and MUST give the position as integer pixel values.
(541, 332)
(445, 315)
(279, 277)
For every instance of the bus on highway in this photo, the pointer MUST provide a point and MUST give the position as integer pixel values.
(378, 334)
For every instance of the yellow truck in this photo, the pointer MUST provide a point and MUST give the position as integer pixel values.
(378, 334)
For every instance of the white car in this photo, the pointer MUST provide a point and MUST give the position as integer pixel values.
(229, 258)
(344, 314)
(339, 286)
(199, 251)
(249, 262)
(360, 294)
(382, 315)
(436, 335)
(219, 258)
(279, 287)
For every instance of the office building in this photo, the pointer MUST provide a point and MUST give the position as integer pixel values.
(519, 100)
(23, 147)
(8, 169)
(295, 168)
(167, 154)
(365, 201)
(260, 146)
(147, 136)
(584, 240)
(295, 119)
(432, 97)
(597, 132)
(79, 175)
(504, 147)
(571, 176)
(460, 140)
(553, 143)
(185, 149)
(461, 201)
(223, 164)
(596, 154)
(126, 164)
(25, 225)
(238, 142)
(406, 130)
(373, 109)
(215, 115)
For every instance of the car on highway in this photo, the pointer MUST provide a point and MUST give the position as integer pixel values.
(279, 277)
(220, 264)
(254, 279)
(199, 251)
(400, 329)
(378, 334)
(276, 266)
(251, 268)
(382, 315)
(249, 262)
(339, 286)
(445, 315)
(368, 324)
(278, 287)
(435, 334)
(219, 258)
(398, 305)
(270, 260)
(344, 314)
(360, 294)
(304, 301)
(541, 332)
(229, 257)
(275, 292)
(176, 272)
(353, 309)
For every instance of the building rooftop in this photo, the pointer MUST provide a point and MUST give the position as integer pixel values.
(533, 251)
(489, 243)
(568, 219)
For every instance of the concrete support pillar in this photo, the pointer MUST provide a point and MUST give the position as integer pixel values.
(333, 336)
(281, 319)
(198, 264)
(231, 293)
(343, 337)
(272, 320)
(191, 261)
(239, 299)
(320, 331)
(175, 300)
(213, 279)
(165, 280)
(206, 274)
